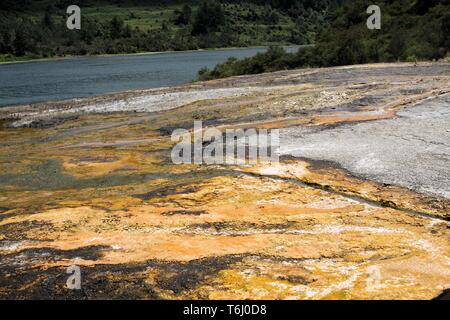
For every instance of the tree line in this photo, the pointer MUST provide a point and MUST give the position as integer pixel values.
(193, 25)
(411, 31)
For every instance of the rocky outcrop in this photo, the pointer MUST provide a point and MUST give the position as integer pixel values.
(100, 191)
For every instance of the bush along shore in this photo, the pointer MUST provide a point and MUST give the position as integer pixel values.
(410, 31)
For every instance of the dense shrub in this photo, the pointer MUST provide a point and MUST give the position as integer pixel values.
(411, 30)
(37, 28)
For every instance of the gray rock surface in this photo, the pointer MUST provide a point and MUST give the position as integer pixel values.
(411, 150)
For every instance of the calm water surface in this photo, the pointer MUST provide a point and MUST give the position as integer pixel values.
(38, 81)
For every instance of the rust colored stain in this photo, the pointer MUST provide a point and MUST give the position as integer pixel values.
(101, 192)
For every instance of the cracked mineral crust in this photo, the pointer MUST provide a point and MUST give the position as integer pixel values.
(356, 208)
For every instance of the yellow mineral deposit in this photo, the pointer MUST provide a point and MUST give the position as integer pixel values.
(101, 191)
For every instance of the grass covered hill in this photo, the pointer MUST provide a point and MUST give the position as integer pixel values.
(34, 29)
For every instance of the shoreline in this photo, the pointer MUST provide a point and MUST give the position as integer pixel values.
(187, 86)
(57, 58)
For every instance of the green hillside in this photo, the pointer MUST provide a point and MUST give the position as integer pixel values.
(35, 29)
(411, 30)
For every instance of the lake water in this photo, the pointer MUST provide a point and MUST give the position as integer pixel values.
(37, 81)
